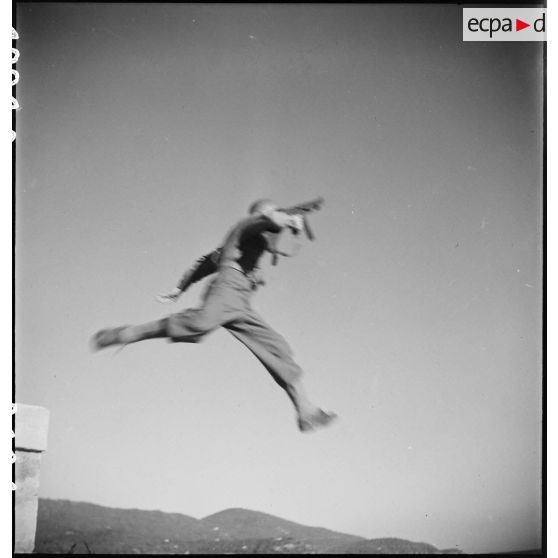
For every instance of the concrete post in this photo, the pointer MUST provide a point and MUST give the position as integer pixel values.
(31, 427)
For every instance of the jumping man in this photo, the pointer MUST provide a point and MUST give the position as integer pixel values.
(227, 303)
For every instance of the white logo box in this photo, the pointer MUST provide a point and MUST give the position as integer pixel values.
(504, 24)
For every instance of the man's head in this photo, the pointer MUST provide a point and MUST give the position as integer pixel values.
(262, 207)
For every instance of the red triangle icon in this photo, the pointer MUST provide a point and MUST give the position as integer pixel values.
(519, 25)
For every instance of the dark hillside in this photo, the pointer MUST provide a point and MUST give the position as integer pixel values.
(65, 527)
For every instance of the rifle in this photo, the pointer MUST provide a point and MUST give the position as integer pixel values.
(300, 209)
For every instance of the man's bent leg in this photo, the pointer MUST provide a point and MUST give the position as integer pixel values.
(275, 354)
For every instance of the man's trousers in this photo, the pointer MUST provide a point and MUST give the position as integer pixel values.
(226, 303)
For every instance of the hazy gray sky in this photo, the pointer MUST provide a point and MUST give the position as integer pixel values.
(144, 133)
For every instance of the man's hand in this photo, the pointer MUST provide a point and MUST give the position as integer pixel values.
(169, 297)
(297, 223)
(282, 219)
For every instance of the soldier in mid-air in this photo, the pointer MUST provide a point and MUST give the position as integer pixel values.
(227, 303)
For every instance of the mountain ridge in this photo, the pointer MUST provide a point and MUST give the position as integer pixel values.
(65, 526)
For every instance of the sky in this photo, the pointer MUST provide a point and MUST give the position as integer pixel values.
(144, 133)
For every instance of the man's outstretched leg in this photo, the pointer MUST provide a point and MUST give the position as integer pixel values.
(189, 326)
(220, 305)
(129, 334)
(276, 355)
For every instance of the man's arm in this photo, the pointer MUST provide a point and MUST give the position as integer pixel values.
(272, 221)
(204, 266)
(302, 209)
